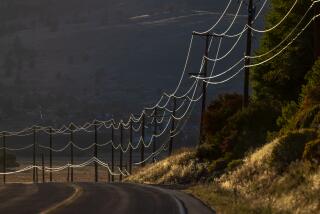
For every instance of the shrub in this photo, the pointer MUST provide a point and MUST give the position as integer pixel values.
(312, 151)
(219, 111)
(234, 164)
(249, 128)
(308, 118)
(219, 164)
(239, 131)
(311, 91)
(288, 112)
(216, 117)
(290, 148)
(207, 152)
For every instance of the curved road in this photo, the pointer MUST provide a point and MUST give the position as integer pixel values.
(117, 198)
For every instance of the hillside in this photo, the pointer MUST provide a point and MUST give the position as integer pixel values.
(252, 187)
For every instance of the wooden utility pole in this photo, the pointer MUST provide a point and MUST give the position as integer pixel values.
(50, 153)
(71, 153)
(130, 149)
(95, 153)
(316, 27)
(155, 130)
(42, 164)
(121, 153)
(143, 138)
(34, 155)
(4, 153)
(172, 125)
(68, 175)
(248, 53)
(112, 152)
(204, 73)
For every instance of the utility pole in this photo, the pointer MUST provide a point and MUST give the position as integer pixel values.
(71, 152)
(204, 73)
(112, 152)
(248, 53)
(50, 153)
(130, 150)
(34, 155)
(143, 138)
(316, 32)
(4, 154)
(155, 130)
(172, 125)
(121, 144)
(43, 169)
(95, 152)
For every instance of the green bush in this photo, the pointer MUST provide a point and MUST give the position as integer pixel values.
(290, 148)
(249, 128)
(207, 152)
(234, 164)
(219, 164)
(308, 118)
(216, 117)
(288, 112)
(312, 151)
(224, 107)
(311, 91)
(240, 130)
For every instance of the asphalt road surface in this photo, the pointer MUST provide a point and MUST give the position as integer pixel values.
(118, 198)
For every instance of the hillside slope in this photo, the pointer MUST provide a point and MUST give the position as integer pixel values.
(253, 187)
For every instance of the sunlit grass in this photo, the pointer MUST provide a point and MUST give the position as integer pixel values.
(180, 168)
(253, 187)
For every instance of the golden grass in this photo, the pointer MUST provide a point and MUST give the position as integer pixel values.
(297, 190)
(253, 187)
(180, 168)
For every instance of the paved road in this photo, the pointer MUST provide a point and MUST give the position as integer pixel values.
(96, 198)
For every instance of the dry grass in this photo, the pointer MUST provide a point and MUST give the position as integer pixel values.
(225, 201)
(181, 168)
(297, 190)
(253, 187)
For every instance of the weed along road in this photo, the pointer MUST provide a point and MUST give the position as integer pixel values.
(117, 198)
